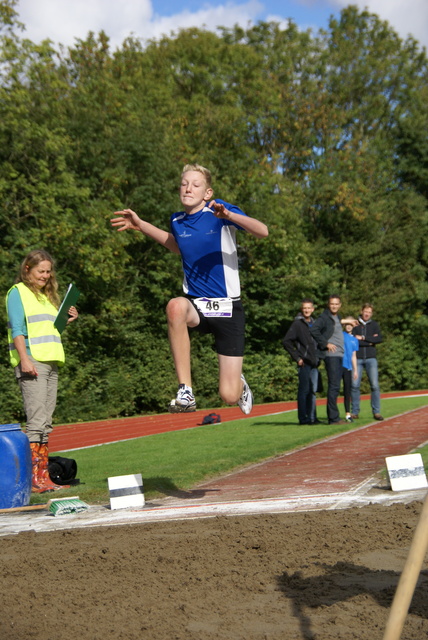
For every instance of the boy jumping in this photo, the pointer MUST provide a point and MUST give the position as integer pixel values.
(204, 235)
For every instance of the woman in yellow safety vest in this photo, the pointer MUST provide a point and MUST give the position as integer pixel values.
(36, 353)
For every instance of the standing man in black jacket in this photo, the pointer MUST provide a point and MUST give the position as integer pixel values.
(328, 335)
(369, 335)
(301, 346)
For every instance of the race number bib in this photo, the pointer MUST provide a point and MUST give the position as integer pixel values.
(214, 307)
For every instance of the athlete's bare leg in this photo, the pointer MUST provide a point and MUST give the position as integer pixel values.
(230, 382)
(181, 314)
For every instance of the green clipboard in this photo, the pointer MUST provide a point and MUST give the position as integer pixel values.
(70, 300)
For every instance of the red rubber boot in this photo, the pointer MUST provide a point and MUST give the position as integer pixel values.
(44, 477)
(37, 485)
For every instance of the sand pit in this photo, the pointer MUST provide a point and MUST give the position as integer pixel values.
(320, 575)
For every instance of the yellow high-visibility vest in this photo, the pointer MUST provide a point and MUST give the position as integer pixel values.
(43, 339)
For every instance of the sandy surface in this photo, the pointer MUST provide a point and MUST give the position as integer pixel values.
(318, 575)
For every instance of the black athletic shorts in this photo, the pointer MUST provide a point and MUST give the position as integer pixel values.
(229, 333)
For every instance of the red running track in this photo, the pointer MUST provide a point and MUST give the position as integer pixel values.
(334, 466)
(86, 434)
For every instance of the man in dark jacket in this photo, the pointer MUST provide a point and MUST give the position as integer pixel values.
(301, 346)
(369, 335)
(328, 335)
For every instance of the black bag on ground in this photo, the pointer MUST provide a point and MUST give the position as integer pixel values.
(62, 470)
(211, 418)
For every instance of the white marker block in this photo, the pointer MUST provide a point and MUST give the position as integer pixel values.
(126, 491)
(406, 472)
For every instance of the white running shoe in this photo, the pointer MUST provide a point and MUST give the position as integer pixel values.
(245, 402)
(184, 400)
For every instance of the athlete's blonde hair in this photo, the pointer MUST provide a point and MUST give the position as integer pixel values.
(198, 167)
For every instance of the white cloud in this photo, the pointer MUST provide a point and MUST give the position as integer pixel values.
(65, 20)
(226, 15)
(283, 22)
(406, 18)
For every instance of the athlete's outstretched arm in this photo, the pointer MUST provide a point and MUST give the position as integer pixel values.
(252, 225)
(128, 219)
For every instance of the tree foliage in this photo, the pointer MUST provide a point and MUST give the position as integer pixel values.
(323, 137)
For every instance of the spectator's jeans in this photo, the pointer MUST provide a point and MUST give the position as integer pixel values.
(306, 394)
(370, 365)
(333, 366)
(347, 385)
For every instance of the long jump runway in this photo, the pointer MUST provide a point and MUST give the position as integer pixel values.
(339, 472)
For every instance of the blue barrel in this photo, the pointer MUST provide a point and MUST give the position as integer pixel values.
(15, 467)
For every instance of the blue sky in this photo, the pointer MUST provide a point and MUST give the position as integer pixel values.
(65, 20)
(317, 11)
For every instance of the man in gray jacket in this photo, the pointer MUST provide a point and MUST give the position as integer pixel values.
(328, 335)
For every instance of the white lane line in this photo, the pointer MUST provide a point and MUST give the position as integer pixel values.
(99, 516)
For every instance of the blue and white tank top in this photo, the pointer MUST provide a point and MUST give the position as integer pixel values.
(208, 252)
